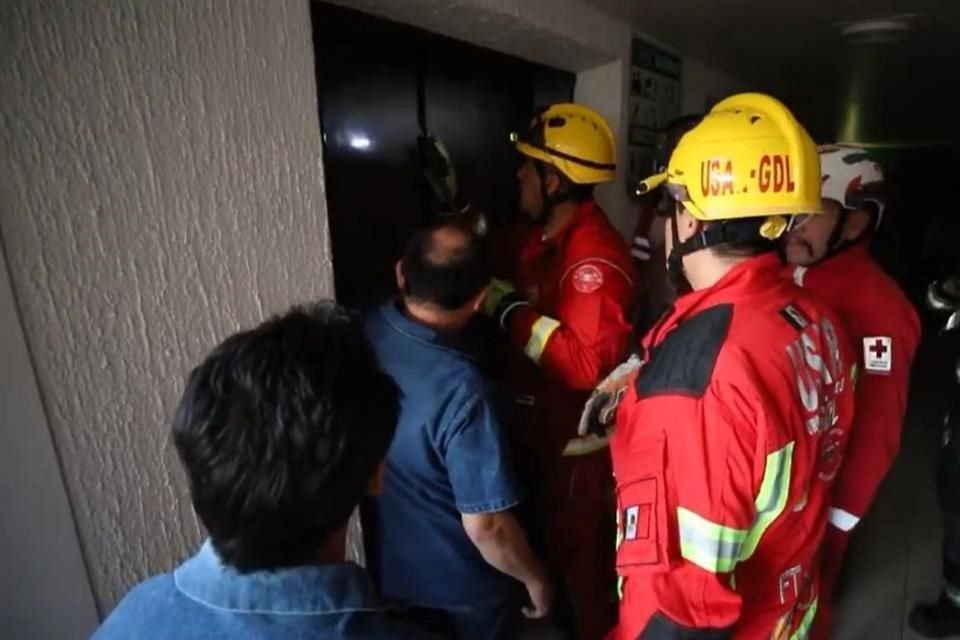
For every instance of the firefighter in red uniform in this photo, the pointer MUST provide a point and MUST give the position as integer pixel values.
(566, 309)
(829, 256)
(732, 425)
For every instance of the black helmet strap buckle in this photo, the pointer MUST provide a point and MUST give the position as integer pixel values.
(722, 232)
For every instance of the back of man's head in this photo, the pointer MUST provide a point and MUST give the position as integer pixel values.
(280, 430)
(445, 266)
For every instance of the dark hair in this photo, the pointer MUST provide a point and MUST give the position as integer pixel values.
(280, 430)
(445, 264)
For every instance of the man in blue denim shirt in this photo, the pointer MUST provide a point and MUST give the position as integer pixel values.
(441, 532)
(281, 430)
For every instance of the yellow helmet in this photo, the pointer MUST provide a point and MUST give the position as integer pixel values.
(748, 158)
(573, 138)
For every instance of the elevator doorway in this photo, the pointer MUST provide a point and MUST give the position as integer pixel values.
(379, 83)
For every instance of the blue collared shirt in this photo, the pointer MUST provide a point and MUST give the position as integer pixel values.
(205, 599)
(448, 457)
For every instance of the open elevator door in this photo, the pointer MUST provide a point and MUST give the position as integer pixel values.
(379, 83)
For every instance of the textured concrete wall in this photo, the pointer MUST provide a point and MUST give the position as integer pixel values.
(567, 34)
(162, 186)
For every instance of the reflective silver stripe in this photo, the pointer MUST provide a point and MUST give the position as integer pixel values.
(798, 275)
(540, 334)
(772, 500)
(843, 520)
(640, 254)
(711, 546)
(641, 241)
(596, 261)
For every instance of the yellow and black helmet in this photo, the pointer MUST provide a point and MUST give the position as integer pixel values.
(747, 158)
(573, 138)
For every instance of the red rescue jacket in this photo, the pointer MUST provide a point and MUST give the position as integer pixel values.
(724, 453)
(576, 329)
(885, 331)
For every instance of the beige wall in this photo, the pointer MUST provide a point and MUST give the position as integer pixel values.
(702, 83)
(605, 88)
(44, 586)
(162, 186)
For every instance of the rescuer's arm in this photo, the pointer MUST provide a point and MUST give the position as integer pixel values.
(880, 406)
(588, 336)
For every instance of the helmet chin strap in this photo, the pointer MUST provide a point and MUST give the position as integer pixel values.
(704, 238)
(675, 260)
(548, 202)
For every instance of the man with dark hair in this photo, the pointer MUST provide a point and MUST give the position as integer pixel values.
(441, 534)
(281, 430)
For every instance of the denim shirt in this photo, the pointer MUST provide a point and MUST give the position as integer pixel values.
(203, 598)
(449, 457)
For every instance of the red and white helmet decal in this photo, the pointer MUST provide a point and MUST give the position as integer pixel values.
(850, 176)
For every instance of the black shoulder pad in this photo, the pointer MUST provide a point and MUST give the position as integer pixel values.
(660, 627)
(684, 361)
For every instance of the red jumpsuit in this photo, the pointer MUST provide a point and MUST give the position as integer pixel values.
(885, 331)
(724, 452)
(574, 332)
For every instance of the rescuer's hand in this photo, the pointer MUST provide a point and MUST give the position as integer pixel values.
(600, 411)
(502, 300)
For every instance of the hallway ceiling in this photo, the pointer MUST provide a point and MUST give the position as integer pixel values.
(795, 49)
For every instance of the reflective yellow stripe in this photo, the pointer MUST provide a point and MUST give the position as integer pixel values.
(773, 496)
(709, 545)
(804, 629)
(540, 333)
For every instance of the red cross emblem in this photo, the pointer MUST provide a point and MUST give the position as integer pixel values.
(878, 354)
(879, 349)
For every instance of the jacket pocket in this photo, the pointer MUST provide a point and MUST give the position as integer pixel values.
(642, 507)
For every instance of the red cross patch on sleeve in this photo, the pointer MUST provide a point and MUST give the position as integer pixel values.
(878, 354)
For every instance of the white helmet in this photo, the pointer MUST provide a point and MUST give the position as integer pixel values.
(851, 177)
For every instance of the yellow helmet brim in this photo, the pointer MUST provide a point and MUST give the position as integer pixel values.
(531, 151)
